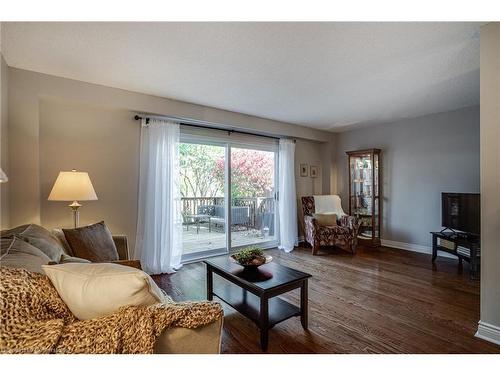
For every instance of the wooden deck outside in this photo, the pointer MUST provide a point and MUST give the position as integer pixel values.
(215, 239)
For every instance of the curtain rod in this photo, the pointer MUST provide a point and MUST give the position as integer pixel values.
(183, 122)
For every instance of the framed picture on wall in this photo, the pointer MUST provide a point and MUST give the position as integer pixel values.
(314, 171)
(303, 170)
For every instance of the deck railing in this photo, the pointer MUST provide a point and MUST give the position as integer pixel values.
(257, 206)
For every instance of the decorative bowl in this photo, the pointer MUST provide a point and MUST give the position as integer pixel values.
(257, 261)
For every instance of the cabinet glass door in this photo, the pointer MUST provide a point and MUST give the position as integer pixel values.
(376, 198)
(361, 193)
(364, 193)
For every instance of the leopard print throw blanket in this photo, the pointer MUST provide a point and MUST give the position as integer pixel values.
(34, 319)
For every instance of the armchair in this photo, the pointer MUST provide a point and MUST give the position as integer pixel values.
(344, 233)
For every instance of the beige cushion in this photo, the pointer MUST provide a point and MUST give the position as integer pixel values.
(97, 289)
(326, 219)
(180, 340)
(42, 239)
(17, 253)
(93, 242)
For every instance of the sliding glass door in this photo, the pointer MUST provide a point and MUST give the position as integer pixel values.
(253, 191)
(203, 195)
(228, 196)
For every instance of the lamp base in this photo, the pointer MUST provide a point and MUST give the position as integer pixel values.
(76, 214)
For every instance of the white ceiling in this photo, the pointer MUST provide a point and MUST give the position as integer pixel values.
(324, 75)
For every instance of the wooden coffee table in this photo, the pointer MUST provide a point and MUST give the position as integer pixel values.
(254, 293)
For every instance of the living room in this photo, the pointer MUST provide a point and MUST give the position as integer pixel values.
(341, 204)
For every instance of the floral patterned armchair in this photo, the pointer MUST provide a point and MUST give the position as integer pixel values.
(344, 233)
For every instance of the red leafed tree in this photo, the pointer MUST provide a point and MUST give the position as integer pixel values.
(252, 172)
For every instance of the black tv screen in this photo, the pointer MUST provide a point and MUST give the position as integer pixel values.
(461, 211)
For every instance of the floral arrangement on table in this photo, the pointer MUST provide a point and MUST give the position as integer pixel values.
(251, 256)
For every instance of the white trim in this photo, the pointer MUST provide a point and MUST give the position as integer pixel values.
(407, 246)
(221, 251)
(414, 247)
(488, 332)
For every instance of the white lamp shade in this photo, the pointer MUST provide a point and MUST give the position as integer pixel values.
(73, 186)
(3, 176)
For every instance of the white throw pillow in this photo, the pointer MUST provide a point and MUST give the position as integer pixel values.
(97, 289)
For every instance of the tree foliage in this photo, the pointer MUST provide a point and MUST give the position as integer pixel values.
(202, 171)
(197, 165)
(252, 172)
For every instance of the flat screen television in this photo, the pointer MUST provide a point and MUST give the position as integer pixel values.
(461, 212)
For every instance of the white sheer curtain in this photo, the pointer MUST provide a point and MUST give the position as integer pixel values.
(159, 226)
(287, 195)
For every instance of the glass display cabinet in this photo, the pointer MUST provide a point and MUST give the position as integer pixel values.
(364, 193)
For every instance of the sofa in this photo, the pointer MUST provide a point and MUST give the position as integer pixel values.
(177, 340)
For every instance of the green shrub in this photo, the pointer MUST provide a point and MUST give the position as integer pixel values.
(246, 255)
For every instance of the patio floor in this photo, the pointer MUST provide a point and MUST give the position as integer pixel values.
(215, 239)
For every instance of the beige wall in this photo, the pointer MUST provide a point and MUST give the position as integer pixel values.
(58, 124)
(102, 141)
(490, 177)
(4, 152)
(310, 153)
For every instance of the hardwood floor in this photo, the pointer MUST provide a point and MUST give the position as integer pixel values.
(378, 301)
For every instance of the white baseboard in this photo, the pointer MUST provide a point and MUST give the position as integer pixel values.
(414, 247)
(488, 332)
(407, 246)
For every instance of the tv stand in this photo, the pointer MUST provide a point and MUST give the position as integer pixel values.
(459, 239)
(450, 233)
(447, 229)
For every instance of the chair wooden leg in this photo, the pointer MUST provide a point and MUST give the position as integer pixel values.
(315, 249)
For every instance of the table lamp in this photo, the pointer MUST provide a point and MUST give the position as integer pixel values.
(73, 186)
